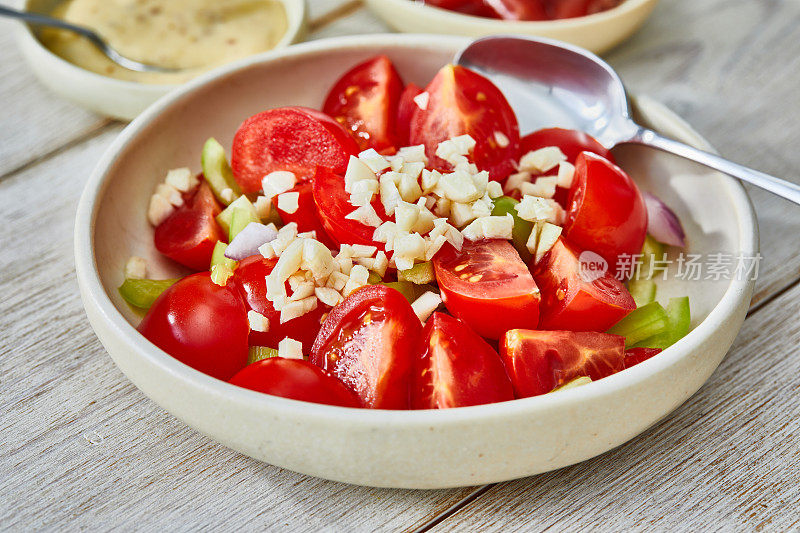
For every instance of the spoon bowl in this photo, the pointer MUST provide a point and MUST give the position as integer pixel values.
(554, 84)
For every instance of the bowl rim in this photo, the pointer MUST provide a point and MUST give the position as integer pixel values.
(27, 39)
(499, 25)
(95, 297)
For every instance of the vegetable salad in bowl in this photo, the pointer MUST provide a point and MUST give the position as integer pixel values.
(407, 248)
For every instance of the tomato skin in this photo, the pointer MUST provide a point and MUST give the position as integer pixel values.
(297, 139)
(365, 102)
(562, 9)
(634, 356)
(200, 324)
(571, 143)
(333, 204)
(518, 9)
(307, 215)
(188, 235)
(373, 358)
(606, 212)
(464, 102)
(539, 361)
(505, 297)
(249, 278)
(405, 110)
(455, 367)
(294, 379)
(570, 301)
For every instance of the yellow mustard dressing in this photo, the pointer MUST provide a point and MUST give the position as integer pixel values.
(194, 35)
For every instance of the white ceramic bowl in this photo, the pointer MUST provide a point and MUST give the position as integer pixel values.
(415, 449)
(598, 32)
(109, 96)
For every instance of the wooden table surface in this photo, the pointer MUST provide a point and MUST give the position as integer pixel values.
(82, 448)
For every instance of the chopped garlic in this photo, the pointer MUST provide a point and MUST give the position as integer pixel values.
(182, 179)
(135, 268)
(490, 227)
(410, 246)
(263, 207)
(534, 208)
(380, 264)
(432, 247)
(566, 173)
(494, 190)
(459, 187)
(227, 195)
(159, 210)
(328, 295)
(366, 215)
(375, 161)
(406, 215)
(548, 235)
(170, 193)
(357, 170)
(425, 305)
(278, 182)
(408, 187)
(258, 322)
(337, 280)
(542, 160)
(544, 187)
(290, 349)
(390, 194)
(302, 291)
(298, 308)
(422, 100)
(289, 202)
(515, 181)
(461, 214)
(430, 179)
(413, 154)
(358, 278)
(220, 274)
(363, 250)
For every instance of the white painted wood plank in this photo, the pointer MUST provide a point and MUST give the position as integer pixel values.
(34, 122)
(727, 460)
(83, 448)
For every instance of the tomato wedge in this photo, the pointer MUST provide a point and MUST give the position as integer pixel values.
(368, 341)
(456, 368)
(249, 277)
(200, 324)
(488, 286)
(333, 204)
(295, 379)
(189, 234)
(307, 215)
(576, 298)
(634, 356)
(365, 102)
(405, 110)
(606, 212)
(539, 361)
(298, 139)
(518, 9)
(464, 102)
(563, 9)
(571, 143)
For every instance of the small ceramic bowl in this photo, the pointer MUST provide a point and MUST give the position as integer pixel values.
(109, 96)
(598, 32)
(409, 449)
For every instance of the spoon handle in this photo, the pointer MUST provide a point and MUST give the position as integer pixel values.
(44, 20)
(782, 188)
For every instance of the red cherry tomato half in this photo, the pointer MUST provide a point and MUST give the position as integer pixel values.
(634, 356)
(463, 102)
(606, 212)
(488, 286)
(249, 277)
(365, 101)
(334, 205)
(368, 341)
(456, 368)
(539, 361)
(518, 9)
(576, 297)
(297, 139)
(405, 110)
(307, 215)
(563, 9)
(200, 324)
(295, 379)
(571, 143)
(189, 235)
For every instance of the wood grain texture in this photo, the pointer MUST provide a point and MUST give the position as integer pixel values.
(727, 460)
(82, 448)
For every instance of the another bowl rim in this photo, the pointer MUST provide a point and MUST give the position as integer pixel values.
(94, 295)
(500, 25)
(26, 37)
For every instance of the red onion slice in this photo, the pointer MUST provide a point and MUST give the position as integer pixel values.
(248, 240)
(662, 223)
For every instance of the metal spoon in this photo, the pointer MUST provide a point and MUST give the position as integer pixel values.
(550, 83)
(99, 42)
